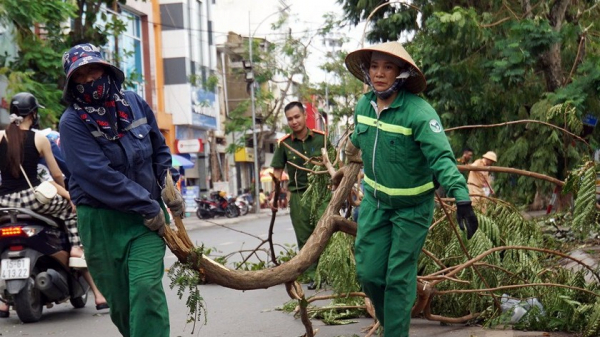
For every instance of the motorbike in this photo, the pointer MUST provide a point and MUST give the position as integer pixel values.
(217, 205)
(31, 275)
(242, 204)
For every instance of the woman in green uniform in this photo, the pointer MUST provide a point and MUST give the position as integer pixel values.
(403, 147)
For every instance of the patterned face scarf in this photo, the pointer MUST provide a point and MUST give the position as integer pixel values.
(102, 106)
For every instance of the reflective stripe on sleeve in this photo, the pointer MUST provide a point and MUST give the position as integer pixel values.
(399, 191)
(384, 126)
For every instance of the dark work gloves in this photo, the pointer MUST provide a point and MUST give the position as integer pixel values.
(156, 223)
(176, 205)
(466, 218)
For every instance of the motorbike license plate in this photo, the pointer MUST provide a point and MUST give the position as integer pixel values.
(12, 269)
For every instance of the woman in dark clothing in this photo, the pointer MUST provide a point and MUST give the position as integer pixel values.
(21, 150)
(112, 135)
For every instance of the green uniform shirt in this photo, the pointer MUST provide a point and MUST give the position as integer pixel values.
(402, 149)
(310, 147)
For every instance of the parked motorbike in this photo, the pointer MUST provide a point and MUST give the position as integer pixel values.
(217, 205)
(242, 204)
(30, 275)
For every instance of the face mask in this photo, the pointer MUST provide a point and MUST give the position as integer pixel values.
(93, 92)
(387, 93)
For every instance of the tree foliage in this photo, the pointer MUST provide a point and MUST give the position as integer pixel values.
(85, 27)
(41, 32)
(494, 61)
(342, 90)
(279, 72)
(37, 66)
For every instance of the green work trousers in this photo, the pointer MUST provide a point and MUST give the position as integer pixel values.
(388, 244)
(303, 227)
(126, 261)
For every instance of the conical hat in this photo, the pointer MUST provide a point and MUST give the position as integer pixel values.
(491, 156)
(414, 84)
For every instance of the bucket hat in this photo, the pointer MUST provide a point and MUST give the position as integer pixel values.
(414, 84)
(491, 156)
(81, 55)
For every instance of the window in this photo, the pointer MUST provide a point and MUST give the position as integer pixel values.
(126, 51)
(130, 52)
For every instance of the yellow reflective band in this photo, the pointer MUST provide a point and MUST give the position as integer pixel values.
(384, 126)
(399, 191)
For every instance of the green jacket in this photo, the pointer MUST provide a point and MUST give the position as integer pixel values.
(403, 150)
(310, 147)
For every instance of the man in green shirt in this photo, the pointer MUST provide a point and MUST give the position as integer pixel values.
(309, 143)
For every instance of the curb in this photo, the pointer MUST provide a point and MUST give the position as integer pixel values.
(191, 221)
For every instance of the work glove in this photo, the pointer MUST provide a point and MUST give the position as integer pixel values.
(466, 218)
(176, 205)
(156, 223)
(353, 154)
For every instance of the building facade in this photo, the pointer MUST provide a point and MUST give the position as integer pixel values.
(190, 85)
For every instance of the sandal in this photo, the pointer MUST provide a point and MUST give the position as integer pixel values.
(5, 313)
(102, 306)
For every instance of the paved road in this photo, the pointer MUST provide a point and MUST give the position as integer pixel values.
(229, 312)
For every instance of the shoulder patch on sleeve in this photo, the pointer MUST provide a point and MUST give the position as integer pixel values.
(435, 126)
(284, 138)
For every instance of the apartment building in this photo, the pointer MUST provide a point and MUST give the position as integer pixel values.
(189, 63)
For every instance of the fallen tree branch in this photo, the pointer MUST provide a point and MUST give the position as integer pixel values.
(301, 155)
(456, 269)
(330, 297)
(464, 249)
(523, 121)
(510, 170)
(302, 168)
(516, 286)
(329, 223)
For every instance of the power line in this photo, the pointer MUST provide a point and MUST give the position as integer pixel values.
(225, 33)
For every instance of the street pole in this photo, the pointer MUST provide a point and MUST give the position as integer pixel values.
(232, 181)
(252, 98)
(254, 138)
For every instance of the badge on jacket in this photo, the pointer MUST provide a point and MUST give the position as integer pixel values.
(435, 126)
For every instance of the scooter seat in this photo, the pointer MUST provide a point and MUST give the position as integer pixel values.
(8, 215)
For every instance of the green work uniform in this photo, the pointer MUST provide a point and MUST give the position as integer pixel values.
(126, 260)
(299, 211)
(403, 148)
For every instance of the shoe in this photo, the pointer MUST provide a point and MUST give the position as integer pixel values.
(77, 262)
(312, 285)
(102, 306)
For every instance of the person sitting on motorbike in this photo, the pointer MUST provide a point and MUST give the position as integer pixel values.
(20, 151)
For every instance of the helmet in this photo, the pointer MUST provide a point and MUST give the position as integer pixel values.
(23, 104)
(222, 194)
(491, 156)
